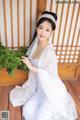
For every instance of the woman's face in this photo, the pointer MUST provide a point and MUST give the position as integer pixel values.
(44, 30)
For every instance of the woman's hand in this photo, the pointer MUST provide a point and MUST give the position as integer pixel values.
(27, 62)
(29, 65)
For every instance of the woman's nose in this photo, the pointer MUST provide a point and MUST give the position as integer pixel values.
(43, 32)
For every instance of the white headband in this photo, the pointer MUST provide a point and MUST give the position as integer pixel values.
(47, 16)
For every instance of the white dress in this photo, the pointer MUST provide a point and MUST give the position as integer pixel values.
(44, 96)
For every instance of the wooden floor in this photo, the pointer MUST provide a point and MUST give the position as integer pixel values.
(74, 89)
(15, 113)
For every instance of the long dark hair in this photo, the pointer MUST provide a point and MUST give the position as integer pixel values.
(41, 20)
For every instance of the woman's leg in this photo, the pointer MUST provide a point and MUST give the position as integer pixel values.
(44, 112)
(29, 109)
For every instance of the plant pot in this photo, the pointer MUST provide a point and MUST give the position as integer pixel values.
(18, 77)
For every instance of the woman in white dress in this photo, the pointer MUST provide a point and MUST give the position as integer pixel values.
(43, 95)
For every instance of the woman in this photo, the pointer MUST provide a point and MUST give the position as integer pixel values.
(43, 96)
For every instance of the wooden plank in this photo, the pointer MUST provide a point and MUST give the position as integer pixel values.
(54, 30)
(76, 87)
(41, 6)
(37, 14)
(11, 17)
(73, 94)
(15, 112)
(51, 4)
(74, 32)
(77, 71)
(76, 46)
(24, 22)
(5, 24)
(69, 30)
(65, 26)
(30, 20)
(4, 92)
(60, 25)
(56, 13)
(67, 71)
(18, 22)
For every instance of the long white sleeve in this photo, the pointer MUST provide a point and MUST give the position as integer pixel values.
(21, 94)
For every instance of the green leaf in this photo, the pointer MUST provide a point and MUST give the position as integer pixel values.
(11, 59)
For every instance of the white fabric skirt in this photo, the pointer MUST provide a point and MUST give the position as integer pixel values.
(39, 108)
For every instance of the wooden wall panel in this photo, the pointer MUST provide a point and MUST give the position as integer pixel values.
(41, 6)
(16, 21)
(68, 71)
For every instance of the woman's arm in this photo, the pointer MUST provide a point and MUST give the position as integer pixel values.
(50, 63)
(29, 65)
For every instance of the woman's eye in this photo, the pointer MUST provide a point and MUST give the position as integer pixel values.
(47, 30)
(40, 27)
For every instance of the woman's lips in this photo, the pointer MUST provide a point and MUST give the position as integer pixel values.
(42, 36)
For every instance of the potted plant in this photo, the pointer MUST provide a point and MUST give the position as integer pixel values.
(11, 66)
